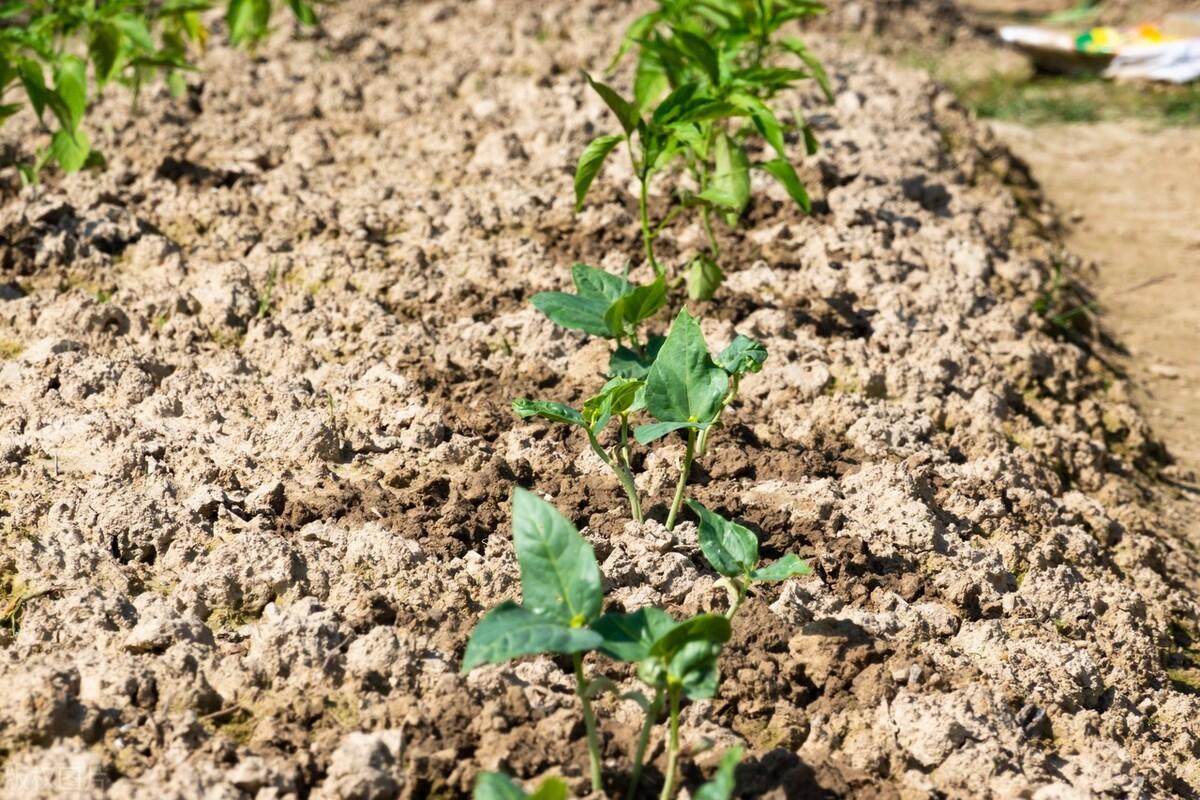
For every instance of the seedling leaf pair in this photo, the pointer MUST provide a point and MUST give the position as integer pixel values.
(604, 304)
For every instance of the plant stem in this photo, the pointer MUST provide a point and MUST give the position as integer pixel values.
(635, 505)
(624, 476)
(672, 744)
(684, 470)
(639, 756)
(626, 452)
(737, 593)
(713, 247)
(730, 396)
(589, 723)
(647, 235)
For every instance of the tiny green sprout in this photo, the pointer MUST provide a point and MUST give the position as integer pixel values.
(686, 390)
(561, 592)
(732, 550)
(723, 783)
(604, 305)
(618, 399)
(498, 786)
(675, 659)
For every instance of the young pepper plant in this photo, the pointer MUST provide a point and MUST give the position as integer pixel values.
(687, 391)
(732, 550)
(561, 595)
(712, 56)
(618, 399)
(675, 660)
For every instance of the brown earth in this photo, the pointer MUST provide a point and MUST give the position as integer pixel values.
(255, 450)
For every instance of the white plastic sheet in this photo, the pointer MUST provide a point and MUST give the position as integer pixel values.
(1177, 62)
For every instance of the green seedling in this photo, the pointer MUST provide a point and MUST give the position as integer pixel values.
(604, 305)
(711, 60)
(732, 550)
(618, 399)
(48, 46)
(686, 390)
(498, 786)
(675, 659)
(722, 785)
(561, 595)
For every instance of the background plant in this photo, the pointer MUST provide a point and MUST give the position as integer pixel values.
(48, 48)
(714, 60)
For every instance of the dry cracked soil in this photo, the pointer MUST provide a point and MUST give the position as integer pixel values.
(256, 451)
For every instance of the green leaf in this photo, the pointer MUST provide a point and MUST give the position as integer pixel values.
(645, 434)
(8, 109)
(811, 145)
(590, 163)
(626, 363)
(598, 283)
(247, 20)
(70, 149)
(35, 84)
(625, 112)
(683, 384)
(676, 103)
(134, 28)
(650, 80)
(550, 789)
(510, 631)
(729, 187)
(303, 12)
(559, 575)
(722, 785)
(629, 637)
(743, 355)
(695, 667)
(782, 171)
(707, 628)
(104, 48)
(636, 30)
(730, 548)
(699, 51)
(497, 786)
(704, 276)
(764, 119)
(70, 84)
(596, 291)
(176, 84)
(619, 396)
(789, 566)
(797, 47)
(641, 303)
(547, 409)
